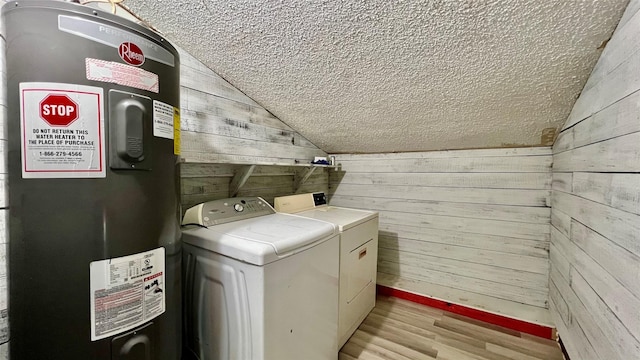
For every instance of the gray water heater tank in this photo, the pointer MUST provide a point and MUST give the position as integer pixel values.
(93, 129)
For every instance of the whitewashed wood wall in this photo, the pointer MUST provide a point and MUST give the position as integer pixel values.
(205, 182)
(469, 227)
(222, 127)
(595, 238)
(220, 124)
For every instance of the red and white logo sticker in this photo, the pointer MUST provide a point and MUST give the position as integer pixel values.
(131, 53)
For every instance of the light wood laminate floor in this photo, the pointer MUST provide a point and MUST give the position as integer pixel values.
(397, 329)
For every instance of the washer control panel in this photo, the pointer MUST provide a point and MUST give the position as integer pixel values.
(226, 210)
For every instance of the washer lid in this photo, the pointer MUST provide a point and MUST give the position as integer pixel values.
(344, 218)
(263, 239)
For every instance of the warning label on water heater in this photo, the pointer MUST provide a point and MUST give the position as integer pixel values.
(126, 292)
(121, 74)
(162, 120)
(62, 128)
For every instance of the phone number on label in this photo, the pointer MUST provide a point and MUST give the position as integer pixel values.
(60, 153)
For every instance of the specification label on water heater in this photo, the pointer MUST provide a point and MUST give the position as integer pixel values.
(126, 292)
(62, 131)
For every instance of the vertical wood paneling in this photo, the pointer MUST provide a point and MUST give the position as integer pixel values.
(595, 240)
(444, 214)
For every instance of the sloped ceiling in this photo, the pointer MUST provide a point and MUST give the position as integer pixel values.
(391, 75)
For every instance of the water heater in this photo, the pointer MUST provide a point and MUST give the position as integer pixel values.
(93, 129)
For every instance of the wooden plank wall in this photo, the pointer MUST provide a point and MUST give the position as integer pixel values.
(220, 124)
(222, 127)
(205, 182)
(469, 227)
(595, 239)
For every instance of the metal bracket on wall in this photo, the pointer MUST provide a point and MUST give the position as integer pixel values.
(301, 176)
(239, 179)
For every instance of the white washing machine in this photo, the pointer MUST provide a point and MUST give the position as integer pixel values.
(358, 255)
(258, 285)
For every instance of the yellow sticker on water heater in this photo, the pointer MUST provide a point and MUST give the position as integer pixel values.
(176, 131)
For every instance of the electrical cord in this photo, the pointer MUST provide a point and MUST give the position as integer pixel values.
(195, 224)
(112, 2)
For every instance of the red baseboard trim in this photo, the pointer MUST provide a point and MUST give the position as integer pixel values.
(509, 323)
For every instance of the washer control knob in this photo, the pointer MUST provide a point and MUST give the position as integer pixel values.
(238, 207)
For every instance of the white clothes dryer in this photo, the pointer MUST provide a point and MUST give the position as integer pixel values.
(258, 285)
(358, 255)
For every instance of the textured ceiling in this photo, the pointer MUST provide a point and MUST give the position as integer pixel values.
(391, 75)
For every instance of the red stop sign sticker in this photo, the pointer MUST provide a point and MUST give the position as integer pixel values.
(58, 110)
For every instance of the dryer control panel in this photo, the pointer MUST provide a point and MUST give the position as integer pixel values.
(319, 199)
(226, 210)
